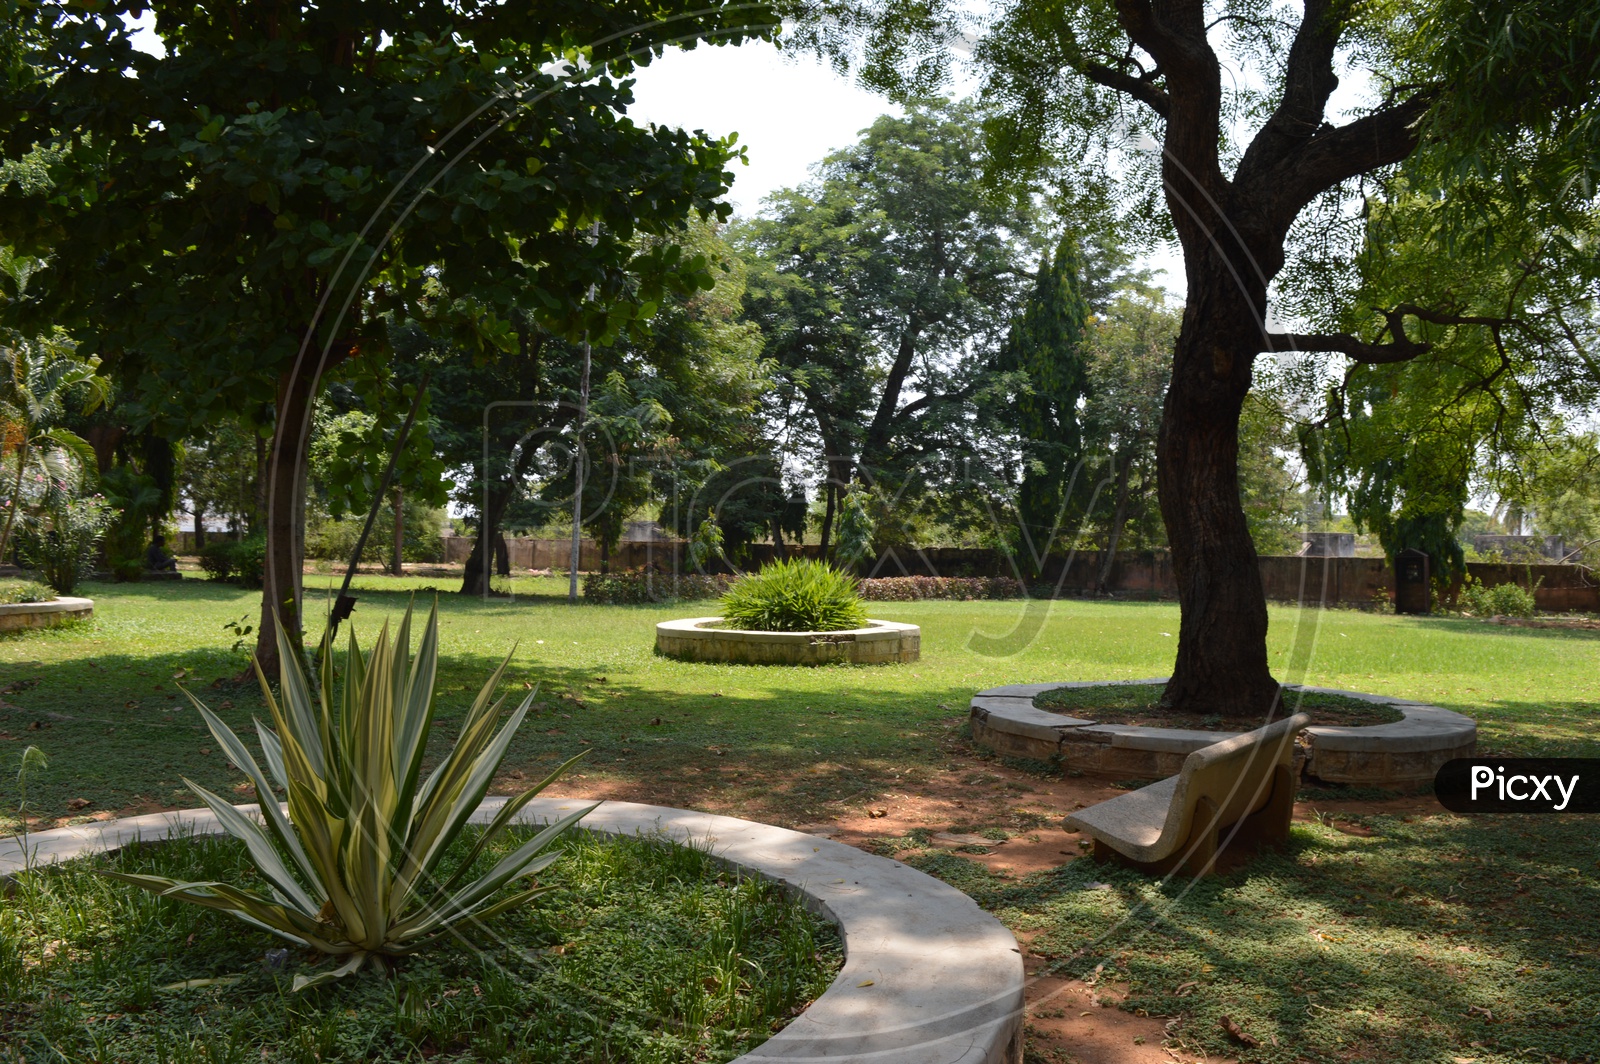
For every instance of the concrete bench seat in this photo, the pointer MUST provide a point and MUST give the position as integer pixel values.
(1239, 790)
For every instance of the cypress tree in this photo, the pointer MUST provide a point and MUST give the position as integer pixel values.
(1046, 346)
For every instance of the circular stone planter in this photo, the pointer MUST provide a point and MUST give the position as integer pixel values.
(698, 639)
(928, 977)
(18, 615)
(1409, 751)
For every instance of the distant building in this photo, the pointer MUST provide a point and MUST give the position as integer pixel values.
(1327, 545)
(645, 532)
(1515, 547)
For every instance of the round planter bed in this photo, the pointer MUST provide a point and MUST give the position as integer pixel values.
(699, 639)
(18, 615)
(928, 976)
(1407, 752)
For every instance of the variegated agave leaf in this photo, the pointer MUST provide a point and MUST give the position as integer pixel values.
(352, 869)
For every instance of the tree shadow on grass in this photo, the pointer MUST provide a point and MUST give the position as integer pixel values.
(1554, 728)
(1425, 940)
(122, 736)
(1474, 625)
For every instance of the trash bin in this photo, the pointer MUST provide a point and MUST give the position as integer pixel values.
(1411, 587)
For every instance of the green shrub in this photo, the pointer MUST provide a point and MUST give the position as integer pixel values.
(958, 588)
(799, 595)
(14, 591)
(1508, 600)
(61, 543)
(249, 561)
(640, 586)
(354, 868)
(216, 558)
(136, 500)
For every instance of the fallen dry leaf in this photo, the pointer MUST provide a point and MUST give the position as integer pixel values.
(1232, 1030)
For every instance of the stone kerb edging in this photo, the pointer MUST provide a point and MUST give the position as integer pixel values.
(699, 639)
(1408, 751)
(928, 977)
(17, 615)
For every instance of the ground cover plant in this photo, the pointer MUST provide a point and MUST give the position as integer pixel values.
(640, 950)
(1141, 704)
(796, 595)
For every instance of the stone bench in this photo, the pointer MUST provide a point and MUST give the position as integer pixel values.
(1238, 790)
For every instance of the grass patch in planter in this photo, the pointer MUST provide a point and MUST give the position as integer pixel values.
(640, 950)
(799, 595)
(1140, 704)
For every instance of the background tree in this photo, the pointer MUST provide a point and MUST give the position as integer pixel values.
(884, 288)
(1129, 359)
(1046, 346)
(676, 400)
(250, 185)
(220, 474)
(1239, 107)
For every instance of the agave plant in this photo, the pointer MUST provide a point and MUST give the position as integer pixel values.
(354, 870)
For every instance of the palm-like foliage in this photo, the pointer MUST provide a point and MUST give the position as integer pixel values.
(35, 381)
(358, 873)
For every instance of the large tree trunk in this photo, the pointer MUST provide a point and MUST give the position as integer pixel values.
(1222, 635)
(284, 484)
(475, 580)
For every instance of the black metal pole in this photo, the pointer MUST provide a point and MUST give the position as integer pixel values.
(346, 603)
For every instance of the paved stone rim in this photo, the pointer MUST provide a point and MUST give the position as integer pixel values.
(20, 616)
(700, 639)
(1409, 750)
(708, 626)
(928, 977)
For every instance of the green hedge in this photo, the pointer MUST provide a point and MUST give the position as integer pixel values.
(959, 588)
(641, 586)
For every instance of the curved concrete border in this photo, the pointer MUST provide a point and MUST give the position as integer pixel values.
(1407, 751)
(697, 639)
(18, 615)
(928, 977)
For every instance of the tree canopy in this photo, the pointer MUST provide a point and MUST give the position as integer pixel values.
(226, 220)
(1218, 125)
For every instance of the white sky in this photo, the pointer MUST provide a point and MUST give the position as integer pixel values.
(788, 111)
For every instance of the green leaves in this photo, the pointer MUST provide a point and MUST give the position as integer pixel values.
(800, 595)
(354, 867)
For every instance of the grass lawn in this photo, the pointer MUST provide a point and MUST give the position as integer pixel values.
(793, 746)
(786, 745)
(641, 951)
